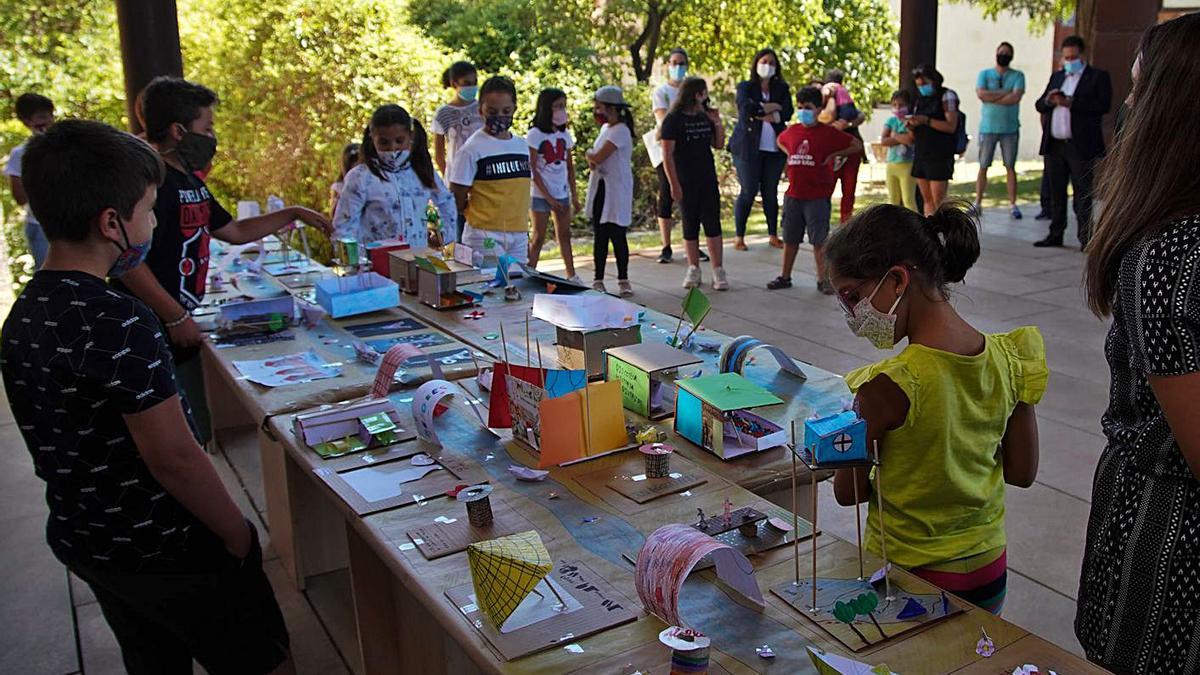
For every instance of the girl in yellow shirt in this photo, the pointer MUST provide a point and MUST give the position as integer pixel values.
(952, 413)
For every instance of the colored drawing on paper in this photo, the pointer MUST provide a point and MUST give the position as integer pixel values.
(635, 385)
(290, 369)
(842, 593)
(506, 570)
(523, 401)
(666, 560)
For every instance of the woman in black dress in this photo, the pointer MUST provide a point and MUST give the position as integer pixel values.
(1139, 590)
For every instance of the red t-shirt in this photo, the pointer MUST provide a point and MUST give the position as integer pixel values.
(809, 177)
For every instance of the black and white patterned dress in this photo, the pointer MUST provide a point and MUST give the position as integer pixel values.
(1139, 594)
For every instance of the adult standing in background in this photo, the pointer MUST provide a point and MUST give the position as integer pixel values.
(1000, 89)
(934, 124)
(1072, 107)
(1139, 609)
(662, 98)
(764, 105)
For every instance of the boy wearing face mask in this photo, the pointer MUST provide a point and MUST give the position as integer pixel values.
(491, 178)
(178, 116)
(385, 196)
(811, 149)
(1000, 89)
(136, 509)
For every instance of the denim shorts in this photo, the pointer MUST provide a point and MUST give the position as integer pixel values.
(1008, 149)
(540, 205)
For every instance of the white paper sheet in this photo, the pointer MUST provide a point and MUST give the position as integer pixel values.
(376, 483)
(585, 312)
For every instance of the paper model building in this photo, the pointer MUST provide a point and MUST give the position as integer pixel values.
(572, 426)
(356, 294)
(232, 313)
(505, 571)
(645, 371)
(347, 428)
(402, 267)
(437, 283)
(836, 439)
(587, 324)
(713, 412)
(377, 253)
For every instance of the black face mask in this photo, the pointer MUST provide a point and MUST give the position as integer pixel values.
(196, 151)
(1003, 60)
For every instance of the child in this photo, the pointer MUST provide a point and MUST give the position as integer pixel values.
(456, 121)
(349, 161)
(841, 113)
(490, 179)
(811, 149)
(179, 123)
(136, 509)
(690, 132)
(550, 146)
(902, 187)
(610, 187)
(952, 415)
(386, 196)
(36, 112)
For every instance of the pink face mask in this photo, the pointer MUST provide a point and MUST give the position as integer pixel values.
(559, 118)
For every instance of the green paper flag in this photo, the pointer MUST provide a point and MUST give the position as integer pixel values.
(696, 306)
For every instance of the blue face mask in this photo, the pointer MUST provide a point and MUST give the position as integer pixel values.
(677, 71)
(1073, 66)
(926, 89)
(131, 256)
(468, 93)
(393, 160)
(806, 117)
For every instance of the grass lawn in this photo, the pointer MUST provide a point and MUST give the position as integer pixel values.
(1029, 179)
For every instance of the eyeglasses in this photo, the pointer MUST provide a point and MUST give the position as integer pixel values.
(844, 297)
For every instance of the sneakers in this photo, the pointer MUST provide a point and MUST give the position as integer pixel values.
(1015, 214)
(776, 242)
(598, 285)
(692, 279)
(703, 256)
(665, 256)
(824, 287)
(720, 283)
(740, 245)
(574, 278)
(511, 294)
(779, 282)
(624, 288)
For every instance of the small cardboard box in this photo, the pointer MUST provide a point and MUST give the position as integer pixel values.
(645, 372)
(378, 252)
(438, 287)
(574, 344)
(235, 311)
(402, 267)
(357, 294)
(714, 412)
(835, 440)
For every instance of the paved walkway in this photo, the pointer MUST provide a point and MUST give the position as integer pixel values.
(54, 626)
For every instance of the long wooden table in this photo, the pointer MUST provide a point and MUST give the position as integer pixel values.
(406, 623)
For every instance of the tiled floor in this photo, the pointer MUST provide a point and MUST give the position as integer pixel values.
(52, 624)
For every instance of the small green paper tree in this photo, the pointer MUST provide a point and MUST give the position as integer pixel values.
(847, 613)
(866, 604)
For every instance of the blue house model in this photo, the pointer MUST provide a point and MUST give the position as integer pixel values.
(836, 439)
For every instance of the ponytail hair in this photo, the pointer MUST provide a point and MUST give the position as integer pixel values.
(939, 248)
(626, 115)
(392, 115)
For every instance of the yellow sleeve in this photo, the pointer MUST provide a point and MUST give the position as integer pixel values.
(896, 370)
(1027, 361)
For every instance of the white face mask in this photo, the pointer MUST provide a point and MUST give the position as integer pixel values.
(766, 71)
(392, 160)
(867, 322)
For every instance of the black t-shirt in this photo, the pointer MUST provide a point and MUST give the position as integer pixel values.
(186, 212)
(693, 136)
(76, 356)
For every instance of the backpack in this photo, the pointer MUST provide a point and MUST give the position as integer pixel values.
(961, 140)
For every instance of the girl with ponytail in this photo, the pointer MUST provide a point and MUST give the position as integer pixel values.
(386, 196)
(952, 414)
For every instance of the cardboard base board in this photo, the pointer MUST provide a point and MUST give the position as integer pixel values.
(843, 585)
(603, 607)
(641, 489)
(440, 539)
(453, 472)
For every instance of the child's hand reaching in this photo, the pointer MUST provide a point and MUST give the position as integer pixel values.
(312, 218)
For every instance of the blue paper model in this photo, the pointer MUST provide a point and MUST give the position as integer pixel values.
(836, 439)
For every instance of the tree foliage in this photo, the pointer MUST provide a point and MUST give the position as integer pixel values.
(1041, 13)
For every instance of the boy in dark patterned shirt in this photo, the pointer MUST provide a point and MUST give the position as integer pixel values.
(136, 509)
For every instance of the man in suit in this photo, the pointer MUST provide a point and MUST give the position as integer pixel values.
(1072, 107)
